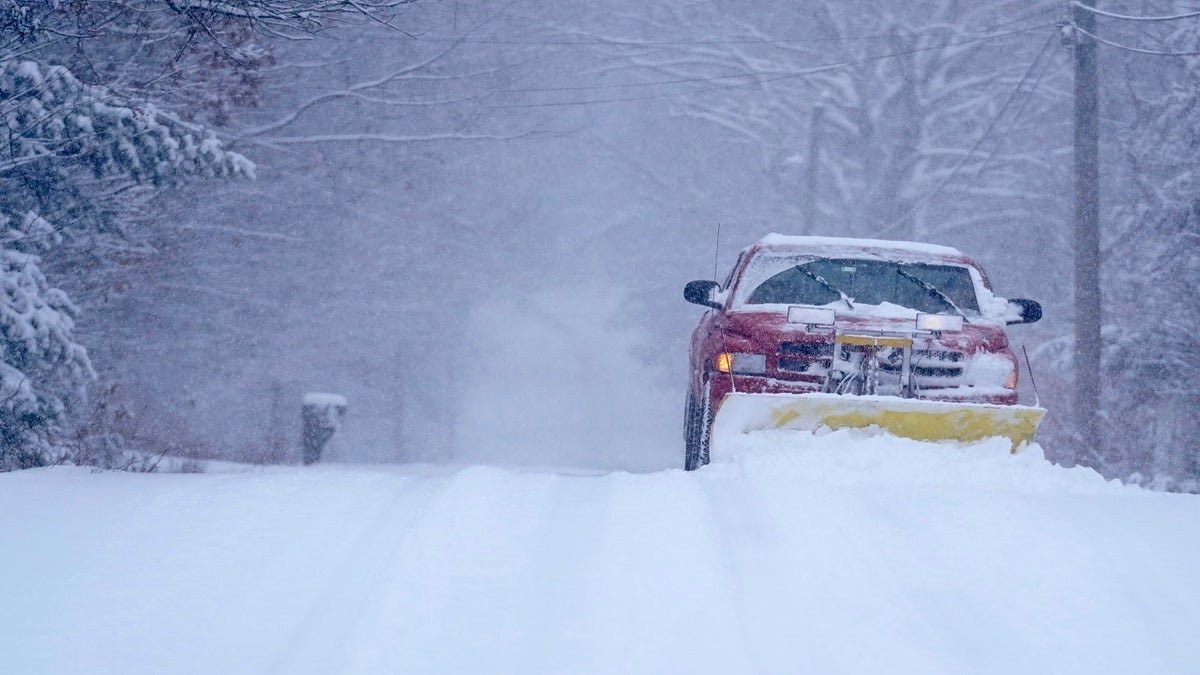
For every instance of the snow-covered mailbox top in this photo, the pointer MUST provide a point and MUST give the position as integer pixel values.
(324, 410)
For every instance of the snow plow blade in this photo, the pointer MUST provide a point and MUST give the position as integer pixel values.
(905, 417)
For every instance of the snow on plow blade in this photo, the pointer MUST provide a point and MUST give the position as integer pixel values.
(905, 417)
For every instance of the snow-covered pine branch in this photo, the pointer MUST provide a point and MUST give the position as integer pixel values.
(49, 114)
(77, 160)
(41, 365)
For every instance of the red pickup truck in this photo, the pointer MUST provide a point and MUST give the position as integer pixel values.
(825, 316)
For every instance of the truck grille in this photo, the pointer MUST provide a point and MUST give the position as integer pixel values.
(798, 357)
(936, 363)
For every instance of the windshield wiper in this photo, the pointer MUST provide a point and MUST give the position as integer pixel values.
(824, 282)
(932, 290)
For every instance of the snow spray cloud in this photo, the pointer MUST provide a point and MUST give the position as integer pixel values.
(561, 385)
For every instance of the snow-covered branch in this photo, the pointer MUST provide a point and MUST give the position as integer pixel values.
(40, 362)
(49, 113)
(282, 18)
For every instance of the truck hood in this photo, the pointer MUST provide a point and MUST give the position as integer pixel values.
(770, 325)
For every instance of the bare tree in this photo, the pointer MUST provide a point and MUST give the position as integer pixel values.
(1149, 426)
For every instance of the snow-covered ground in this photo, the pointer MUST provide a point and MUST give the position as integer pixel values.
(843, 553)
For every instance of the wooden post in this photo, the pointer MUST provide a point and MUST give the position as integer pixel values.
(321, 415)
(1088, 341)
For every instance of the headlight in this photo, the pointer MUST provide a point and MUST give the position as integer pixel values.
(986, 369)
(812, 316)
(939, 322)
(742, 363)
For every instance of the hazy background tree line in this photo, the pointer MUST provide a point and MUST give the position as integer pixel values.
(475, 221)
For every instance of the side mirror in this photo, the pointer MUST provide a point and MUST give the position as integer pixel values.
(1023, 311)
(700, 293)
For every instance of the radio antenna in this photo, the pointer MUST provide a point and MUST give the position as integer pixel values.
(724, 345)
(717, 253)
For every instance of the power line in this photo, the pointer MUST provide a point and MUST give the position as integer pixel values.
(1127, 17)
(982, 137)
(762, 78)
(1037, 12)
(1020, 111)
(1127, 48)
(595, 42)
(687, 43)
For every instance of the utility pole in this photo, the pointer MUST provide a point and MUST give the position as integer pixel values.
(813, 174)
(1088, 341)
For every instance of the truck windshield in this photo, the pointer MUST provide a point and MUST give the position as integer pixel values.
(869, 282)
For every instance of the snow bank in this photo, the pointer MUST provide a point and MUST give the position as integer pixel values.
(869, 457)
(846, 553)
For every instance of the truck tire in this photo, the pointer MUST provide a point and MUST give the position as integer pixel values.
(697, 426)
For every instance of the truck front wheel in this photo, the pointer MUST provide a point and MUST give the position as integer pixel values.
(697, 427)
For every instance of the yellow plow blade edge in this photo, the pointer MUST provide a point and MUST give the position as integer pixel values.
(904, 417)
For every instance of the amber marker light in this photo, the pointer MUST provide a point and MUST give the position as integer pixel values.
(741, 363)
(1010, 380)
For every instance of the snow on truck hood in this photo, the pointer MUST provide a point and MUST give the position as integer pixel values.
(885, 316)
(886, 310)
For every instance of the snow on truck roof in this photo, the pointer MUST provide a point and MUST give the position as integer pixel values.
(847, 245)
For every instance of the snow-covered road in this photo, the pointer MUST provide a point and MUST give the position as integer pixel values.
(826, 555)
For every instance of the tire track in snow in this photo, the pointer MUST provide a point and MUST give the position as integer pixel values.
(808, 577)
(660, 597)
(454, 600)
(319, 641)
(564, 555)
(743, 532)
